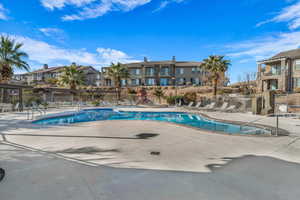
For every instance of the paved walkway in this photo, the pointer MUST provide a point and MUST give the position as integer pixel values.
(74, 162)
(35, 176)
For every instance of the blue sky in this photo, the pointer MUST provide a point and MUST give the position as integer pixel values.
(97, 32)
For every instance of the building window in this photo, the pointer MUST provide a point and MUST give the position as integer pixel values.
(165, 71)
(135, 81)
(123, 82)
(194, 70)
(297, 64)
(135, 72)
(180, 81)
(297, 82)
(275, 69)
(150, 81)
(164, 81)
(179, 70)
(273, 85)
(149, 71)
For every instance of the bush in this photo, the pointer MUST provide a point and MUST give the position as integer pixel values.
(171, 100)
(190, 97)
(33, 99)
(96, 103)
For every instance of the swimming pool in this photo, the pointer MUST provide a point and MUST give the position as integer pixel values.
(192, 120)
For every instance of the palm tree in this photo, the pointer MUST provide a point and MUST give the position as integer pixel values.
(159, 94)
(72, 77)
(117, 72)
(11, 56)
(216, 66)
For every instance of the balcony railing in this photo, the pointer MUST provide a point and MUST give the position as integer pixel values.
(272, 73)
(164, 73)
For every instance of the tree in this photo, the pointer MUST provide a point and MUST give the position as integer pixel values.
(159, 93)
(216, 66)
(117, 72)
(72, 77)
(11, 57)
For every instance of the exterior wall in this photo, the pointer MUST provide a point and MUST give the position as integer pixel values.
(172, 78)
(265, 75)
(92, 77)
(286, 80)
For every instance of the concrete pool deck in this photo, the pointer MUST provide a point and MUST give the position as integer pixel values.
(115, 143)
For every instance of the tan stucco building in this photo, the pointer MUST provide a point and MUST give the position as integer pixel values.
(161, 73)
(280, 72)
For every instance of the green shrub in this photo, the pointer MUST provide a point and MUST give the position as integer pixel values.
(96, 103)
(171, 100)
(33, 99)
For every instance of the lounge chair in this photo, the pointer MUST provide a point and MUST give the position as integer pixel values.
(198, 105)
(209, 106)
(191, 104)
(6, 107)
(230, 108)
(223, 107)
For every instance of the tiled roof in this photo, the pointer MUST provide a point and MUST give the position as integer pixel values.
(177, 63)
(56, 69)
(295, 53)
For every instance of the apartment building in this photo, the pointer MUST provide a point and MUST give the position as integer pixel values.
(280, 72)
(92, 76)
(161, 73)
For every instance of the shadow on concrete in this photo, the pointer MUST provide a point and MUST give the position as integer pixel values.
(142, 136)
(247, 177)
(86, 150)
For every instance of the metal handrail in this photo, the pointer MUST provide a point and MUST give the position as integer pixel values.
(32, 110)
(264, 128)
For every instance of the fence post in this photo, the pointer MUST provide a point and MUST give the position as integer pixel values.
(277, 124)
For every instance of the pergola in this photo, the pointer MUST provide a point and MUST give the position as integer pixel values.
(20, 88)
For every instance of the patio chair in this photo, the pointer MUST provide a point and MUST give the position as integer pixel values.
(231, 108)
(223, 107)
(6, 107)
(198, 104)
(191, 104)
(209, 106)
(17, 107)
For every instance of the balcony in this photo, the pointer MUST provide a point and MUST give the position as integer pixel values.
(274, 73)
(164, 74)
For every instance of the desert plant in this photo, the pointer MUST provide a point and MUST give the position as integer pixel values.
(117, 72)
(72, 77)
(11, 56)
(96, 103)
(215, 65)
(158, 93)
(190, 97)
(172, 100)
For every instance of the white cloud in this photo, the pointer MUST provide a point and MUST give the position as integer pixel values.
(53, 4)
(41, 52)
(3, 12)
(290, 14)
(165, 3)
(265, 47)
(114, 56)
(50, 31)
(88, 9)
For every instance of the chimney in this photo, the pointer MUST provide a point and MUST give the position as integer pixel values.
(174, 58)
(145, 59)
(45, 66)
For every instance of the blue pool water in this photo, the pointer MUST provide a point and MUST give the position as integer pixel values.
(192, 120)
